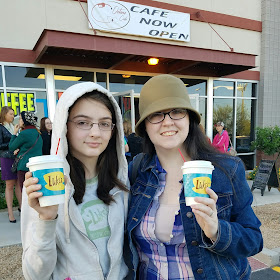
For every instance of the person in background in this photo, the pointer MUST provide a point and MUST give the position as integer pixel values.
(127, 131)
(221, 139)
(135, 142)
(7, 158)
(83, 238)
(46, 134)
(209, 240)
(29, 142)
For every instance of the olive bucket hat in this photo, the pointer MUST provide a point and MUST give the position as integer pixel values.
(160, 93)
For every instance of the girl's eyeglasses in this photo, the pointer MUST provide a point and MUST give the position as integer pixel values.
(175, 114)
(85, 125)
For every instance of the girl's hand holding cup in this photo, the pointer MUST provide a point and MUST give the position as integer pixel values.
(33, 193)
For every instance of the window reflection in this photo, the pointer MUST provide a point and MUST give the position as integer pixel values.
(195, 86)
(66, 78)
(223, 111)
(244, 89)
(25, 77)
(244, 129)
(223, 88)
(101, 79)
(119, 82)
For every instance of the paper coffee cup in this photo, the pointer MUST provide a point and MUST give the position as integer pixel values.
(197, 176)
(49, 170)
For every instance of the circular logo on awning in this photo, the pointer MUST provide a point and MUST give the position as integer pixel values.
(110, 15)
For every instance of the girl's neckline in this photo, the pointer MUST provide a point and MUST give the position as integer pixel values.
(92, 180)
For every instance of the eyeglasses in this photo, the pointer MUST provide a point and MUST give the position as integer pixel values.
(175, 114)
(85, 125)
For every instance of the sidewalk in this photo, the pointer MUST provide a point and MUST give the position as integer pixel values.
(10, 233)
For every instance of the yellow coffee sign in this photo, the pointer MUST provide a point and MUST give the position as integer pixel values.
(55, 181)
(200, 184)
(19, 101)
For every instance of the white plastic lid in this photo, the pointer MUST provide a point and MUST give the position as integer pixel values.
(198, 164)
(44, 159)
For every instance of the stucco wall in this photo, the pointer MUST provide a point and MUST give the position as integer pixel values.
(269, 97)
(26, 20)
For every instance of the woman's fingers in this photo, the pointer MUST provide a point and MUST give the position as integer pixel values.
(32, 188)
(28, 175)
(30, 181)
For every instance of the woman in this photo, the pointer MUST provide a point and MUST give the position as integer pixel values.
(46, 134)
(29, 142)
(7, 158)
(169, 240)
(82, 239)
(221, 139)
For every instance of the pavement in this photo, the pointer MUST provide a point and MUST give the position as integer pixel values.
(265, 264)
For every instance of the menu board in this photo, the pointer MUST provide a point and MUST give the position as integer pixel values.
(266, 176)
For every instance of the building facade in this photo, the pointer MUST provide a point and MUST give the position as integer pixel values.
(226, 54)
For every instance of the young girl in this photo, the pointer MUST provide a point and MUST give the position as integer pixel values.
(169, 240)
(82, 239)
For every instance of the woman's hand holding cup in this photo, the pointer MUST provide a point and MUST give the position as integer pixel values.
(33, 193)
(206, 214)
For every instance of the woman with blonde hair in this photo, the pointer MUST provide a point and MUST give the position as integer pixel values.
(7, 158)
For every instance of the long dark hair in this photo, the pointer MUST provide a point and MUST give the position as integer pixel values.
(107, 163)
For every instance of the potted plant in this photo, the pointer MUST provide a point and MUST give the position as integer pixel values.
(267, 140)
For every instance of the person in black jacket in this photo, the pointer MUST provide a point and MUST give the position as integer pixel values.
(46, 134)
(7, 158)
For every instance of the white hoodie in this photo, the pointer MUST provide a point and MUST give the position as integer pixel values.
(60, 249)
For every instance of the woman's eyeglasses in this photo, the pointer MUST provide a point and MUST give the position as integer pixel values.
(85, 125)
(175, 114)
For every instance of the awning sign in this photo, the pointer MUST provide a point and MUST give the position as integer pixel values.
(139, 20)
(19, 101)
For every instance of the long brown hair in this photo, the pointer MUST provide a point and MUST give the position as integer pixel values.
(42, 124)
(4, 112)
(107, 163)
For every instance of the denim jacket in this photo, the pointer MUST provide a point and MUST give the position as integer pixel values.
(239, 235)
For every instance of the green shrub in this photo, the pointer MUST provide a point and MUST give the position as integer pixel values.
(267, 140)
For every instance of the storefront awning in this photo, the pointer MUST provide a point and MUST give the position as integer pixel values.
(83, 50)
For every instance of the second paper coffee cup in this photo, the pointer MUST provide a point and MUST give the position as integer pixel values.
(197, 176)
(49, 170)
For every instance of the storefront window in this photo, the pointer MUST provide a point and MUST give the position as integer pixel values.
(101, 79)
(245, 89)
(25, 77)
(66, 78)
(33, 101)
(202, 111)
(223, 111)
(244, 129)
(195, 86)
(223, 88)
(123, 82)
